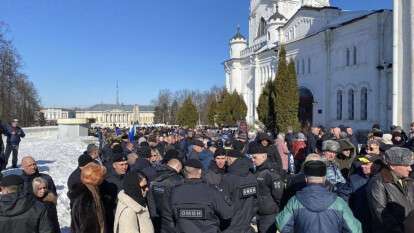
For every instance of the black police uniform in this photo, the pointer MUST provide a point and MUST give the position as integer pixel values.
(241, 186)
(270, 192)
(159, 198)
(199, 207)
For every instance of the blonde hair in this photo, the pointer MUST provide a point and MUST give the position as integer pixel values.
(93, 174)
(37, 181)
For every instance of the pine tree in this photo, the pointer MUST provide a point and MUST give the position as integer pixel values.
(173, 112)
(287, 96)
(187, 115)
(231, 109)
(212, 112)
(266, 108)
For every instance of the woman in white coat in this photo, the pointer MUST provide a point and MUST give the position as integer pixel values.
(132, 215)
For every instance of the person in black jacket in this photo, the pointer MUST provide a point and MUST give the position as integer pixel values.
(112, 186)
(217, 168)
(21, 212)
(198, 207)
(30, 171)
(74, 178)
(14, 134)
(270, 189)
(273, 155)
(40, 190)
(241, 186)
(159, 195)
(88, 214)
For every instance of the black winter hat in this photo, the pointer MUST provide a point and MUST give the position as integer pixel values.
(84, 159)
(197, 142)
(315, 168)
(194, 163)
(234, 154)
(118, 157)
(256, 148)
(144, 152)
(11, 180)
(117, 149)
(171, 154)
(220, 152)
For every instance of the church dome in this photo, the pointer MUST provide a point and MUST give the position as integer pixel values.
(238, 35)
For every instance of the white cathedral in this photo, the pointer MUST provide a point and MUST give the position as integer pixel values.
(344, 60)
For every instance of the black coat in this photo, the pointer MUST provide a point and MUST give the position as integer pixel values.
(159, 198)
(50, 202)
(14, 135)
(270, 188)
(28, 179)
(22, 213)
(390, 203)
(84, 213)
(73, 180)
(214, 175)
(198, 207)
(110, 188)
(241, 186)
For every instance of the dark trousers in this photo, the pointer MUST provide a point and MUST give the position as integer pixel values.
(9, 150)
(266, 223)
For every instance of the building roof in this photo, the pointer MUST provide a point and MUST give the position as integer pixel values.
(238, 35)
(277, 16)
(110, 107)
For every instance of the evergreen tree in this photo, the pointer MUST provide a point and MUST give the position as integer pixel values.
(287, 96)
(212, 112)
(187, 115)
(231, 109)
(266, 108)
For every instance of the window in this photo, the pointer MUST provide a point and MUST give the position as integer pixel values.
(355, 60)
(364, 104)
(297, 66)
(309, 65)
(339, 105)
(351, 105)
(262, 28)
(348, 57)
(303, 66)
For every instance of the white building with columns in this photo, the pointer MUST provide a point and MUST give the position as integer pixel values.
(344, 60)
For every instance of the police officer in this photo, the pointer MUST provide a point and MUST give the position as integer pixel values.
(198, 207)
(270, 188)
(159, 195)
(241, 186)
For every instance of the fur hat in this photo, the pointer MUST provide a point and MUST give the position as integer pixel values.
(399, 156)
(93, 174)
(331, 145)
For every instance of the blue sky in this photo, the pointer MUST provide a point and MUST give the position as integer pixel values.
(75, 50)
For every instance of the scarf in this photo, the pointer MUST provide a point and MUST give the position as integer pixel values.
(132, 189)
(98, 206)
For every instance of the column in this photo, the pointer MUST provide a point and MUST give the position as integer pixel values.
(403, 109)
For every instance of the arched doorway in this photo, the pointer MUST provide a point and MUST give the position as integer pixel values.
(305, 106)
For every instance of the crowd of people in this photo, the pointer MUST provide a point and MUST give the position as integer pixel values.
(176, 180)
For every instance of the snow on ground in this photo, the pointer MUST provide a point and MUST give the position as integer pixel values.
(58, 159)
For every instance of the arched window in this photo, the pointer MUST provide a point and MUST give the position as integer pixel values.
(297, 66)
(355, 58)
(303, 66)
(339, 98)
(348, 57)
(351, 105)
(262, 28)
(364, 104)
